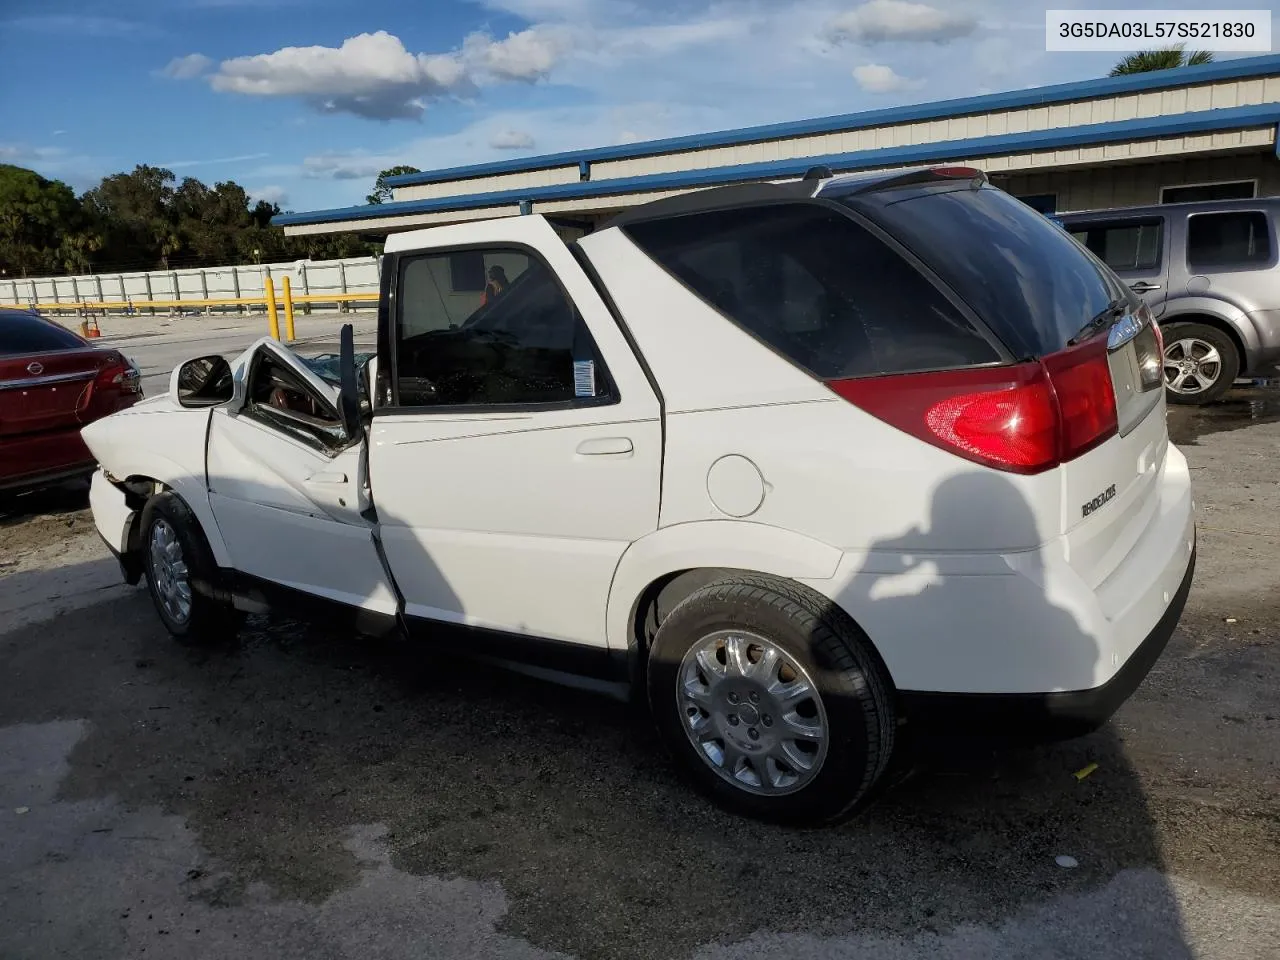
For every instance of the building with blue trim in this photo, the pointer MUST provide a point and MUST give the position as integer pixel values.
(1203, 132)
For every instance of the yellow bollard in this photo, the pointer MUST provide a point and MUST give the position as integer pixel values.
(288, 311)
(270, 296)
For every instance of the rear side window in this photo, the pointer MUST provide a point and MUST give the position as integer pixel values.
(817, 288)
(22, 333)
(1131, 245)
(1236, 239)
(1022, 274)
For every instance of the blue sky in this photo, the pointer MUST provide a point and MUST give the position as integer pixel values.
(303, 101)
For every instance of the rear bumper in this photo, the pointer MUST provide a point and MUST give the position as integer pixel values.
(1047, 716)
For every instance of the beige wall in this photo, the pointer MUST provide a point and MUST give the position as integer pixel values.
(1137, 184)
(1248, 91)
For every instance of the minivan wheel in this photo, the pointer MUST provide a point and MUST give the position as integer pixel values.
(181, 573)
(772, 700)
(1200, 362)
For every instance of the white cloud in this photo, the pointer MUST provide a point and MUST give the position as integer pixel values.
(207, 161)
(373, 75)
(878, 78)
(370, 75)
(528, 55)
(509, 139)
(346, 166)
(188, 67)
(888, 20)
(22, 154)
(271, 193)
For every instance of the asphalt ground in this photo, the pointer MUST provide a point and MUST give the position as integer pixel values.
(303, 793)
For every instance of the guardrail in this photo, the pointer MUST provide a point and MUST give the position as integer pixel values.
(269, 302)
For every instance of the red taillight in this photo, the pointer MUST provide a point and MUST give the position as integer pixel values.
(1015, 428)
(118, 373)
(1024, 418)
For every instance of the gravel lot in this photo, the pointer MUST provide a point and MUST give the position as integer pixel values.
(304, 794)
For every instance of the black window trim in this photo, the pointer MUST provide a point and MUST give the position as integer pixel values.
(388, 338)
(1146, 219)
(1004, 354)
(1247, 266)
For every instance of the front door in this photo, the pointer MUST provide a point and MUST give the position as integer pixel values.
(516, 448)
(289, 490)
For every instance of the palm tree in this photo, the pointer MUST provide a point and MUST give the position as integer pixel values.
(1165, 58)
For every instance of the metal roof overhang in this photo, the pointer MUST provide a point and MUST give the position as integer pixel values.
(1237, 69)
(591, 196)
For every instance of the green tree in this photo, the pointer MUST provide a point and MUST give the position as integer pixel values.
(1165, 58)
(136, 212)
(382, 192)
(35, 216)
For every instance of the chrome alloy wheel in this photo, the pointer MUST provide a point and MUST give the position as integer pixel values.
(168, 571)
(752, 712)
(1191, 365)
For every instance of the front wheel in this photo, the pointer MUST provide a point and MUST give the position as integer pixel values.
(1200, 363)
(772, 700)
(181, 573)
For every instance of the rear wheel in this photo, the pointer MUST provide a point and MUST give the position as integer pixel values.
(1200, 362)
(772, 700)
(181, 573)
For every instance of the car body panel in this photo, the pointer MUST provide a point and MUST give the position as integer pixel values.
(46, 396)
(544, 502)
(160, 441)
(260, 479)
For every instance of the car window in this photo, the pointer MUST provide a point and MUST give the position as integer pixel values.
(280, 399)
(1236, 239)
(516, 338)
(1028, 280)
(816, 287)
(23, 333)
(1127, 245)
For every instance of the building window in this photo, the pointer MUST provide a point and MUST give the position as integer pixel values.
(1236, 239)
(1191, 193)
(1046, 203)
(1127, 245)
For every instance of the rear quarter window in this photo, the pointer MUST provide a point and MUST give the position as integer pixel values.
(1023, 275)
(22, 333)
(1240, 238)
(817, 288)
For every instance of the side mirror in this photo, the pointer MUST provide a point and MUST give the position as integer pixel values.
(205, 382)
(349, 388)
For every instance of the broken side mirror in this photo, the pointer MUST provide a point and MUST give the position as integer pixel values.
(204, 382)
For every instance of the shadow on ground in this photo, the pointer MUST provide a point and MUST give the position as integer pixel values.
(272, 748)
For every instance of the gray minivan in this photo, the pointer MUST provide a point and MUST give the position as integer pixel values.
(1210, 274)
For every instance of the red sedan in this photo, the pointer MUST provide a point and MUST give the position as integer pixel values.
(53, 382)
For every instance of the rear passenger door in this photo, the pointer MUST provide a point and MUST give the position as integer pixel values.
(516, 444)
(1136, 248)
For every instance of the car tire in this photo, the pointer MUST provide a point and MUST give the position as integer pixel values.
(1182, 343)
(823, 752)
(182, 576)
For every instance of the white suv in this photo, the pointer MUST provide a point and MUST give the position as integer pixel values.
(801, 463)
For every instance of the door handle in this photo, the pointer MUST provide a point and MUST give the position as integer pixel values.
(328, 476)
(605, 446)
(1143, 287)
